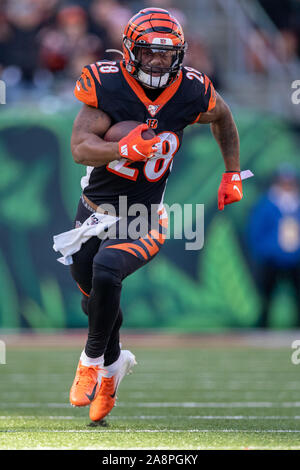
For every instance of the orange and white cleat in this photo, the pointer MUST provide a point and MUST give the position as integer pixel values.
(106, 398)
(85, 385)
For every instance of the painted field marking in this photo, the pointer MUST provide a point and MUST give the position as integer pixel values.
(87, 431)
(251, 404)
(145, 417)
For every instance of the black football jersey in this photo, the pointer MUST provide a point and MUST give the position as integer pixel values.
(109, 87)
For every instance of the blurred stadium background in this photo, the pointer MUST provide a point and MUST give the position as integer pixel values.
(250, 49)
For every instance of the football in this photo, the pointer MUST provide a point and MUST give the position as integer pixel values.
(116, 132)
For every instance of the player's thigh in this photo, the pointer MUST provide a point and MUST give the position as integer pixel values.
(82, 267)
(124, 257)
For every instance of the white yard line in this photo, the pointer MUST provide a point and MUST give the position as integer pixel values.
(145, 417)
(213, 405)
(87, 431)
(252, 404)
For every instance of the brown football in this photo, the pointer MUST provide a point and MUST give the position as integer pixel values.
(116, 132)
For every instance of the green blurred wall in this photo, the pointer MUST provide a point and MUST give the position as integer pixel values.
(213, 288)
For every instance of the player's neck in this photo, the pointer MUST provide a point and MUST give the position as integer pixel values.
(153, 93)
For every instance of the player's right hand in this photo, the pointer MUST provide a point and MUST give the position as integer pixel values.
(135, 148)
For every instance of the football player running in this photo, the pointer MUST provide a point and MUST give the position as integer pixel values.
(150, 85)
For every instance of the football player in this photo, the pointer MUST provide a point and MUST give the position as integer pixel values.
(151, 86)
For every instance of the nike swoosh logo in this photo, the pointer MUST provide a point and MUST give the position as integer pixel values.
(92, 395)
(235, 187)
(114, 394)
(136, 150)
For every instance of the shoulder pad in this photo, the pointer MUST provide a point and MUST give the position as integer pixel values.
(200, 88)
(209, 93)
(86, 85)
(97, 81)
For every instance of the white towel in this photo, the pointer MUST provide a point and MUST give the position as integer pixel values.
(246, 174)
(70, 242)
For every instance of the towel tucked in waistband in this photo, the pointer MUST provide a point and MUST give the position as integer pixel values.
(70, 242)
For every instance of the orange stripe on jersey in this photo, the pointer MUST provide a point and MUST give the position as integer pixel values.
(85, 89)
(212, 99)
(197, 118)
(96, 73)
(206, 83)
(162, 99)
(81, 290)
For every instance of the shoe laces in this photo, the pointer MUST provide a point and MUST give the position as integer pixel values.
(107, 386)
(87, 373)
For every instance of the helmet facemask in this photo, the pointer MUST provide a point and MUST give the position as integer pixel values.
(157, 76)
(154, 76)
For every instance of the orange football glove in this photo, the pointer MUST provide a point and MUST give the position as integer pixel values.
(135, 148)
(230, 189)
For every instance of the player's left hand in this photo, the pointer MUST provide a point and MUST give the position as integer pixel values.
(230, 189)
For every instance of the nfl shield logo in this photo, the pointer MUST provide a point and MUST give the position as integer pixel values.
(152, 109)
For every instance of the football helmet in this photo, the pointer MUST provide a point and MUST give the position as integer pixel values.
(157, 30)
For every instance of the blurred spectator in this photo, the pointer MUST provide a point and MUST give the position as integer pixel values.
(41, 40)
(109, 16)
(279, 11)
(19, 47)
(286, 47)
(274, 238)
(259, 50)
(46, 42)
(68, 46)
(265, 48)
(286, 17)
(199, 58)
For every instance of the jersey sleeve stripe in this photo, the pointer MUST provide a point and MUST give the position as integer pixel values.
(196, 120)
(212, 99)
(206, 83)
(96, 73)
(86, 92)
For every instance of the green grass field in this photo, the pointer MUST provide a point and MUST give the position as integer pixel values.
(185, 398)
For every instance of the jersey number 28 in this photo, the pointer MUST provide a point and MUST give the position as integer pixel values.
(154, 168)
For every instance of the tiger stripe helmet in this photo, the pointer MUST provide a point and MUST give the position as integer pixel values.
(158, 30)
